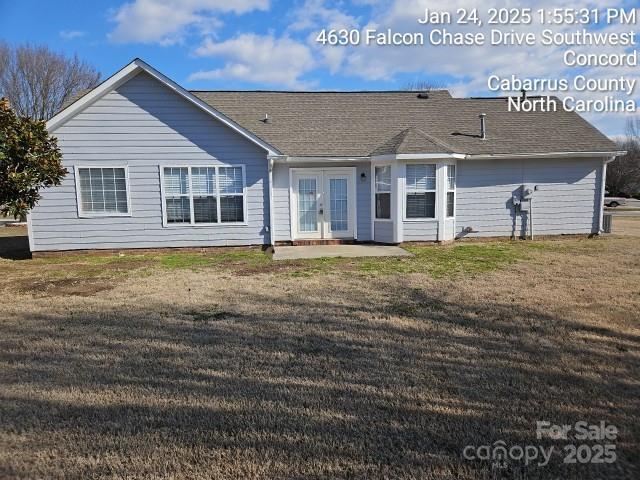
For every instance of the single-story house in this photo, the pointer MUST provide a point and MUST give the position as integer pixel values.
(151, 164)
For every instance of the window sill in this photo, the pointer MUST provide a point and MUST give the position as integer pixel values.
(103, 215)
(205, 225)
(420, 220)
(385, 220)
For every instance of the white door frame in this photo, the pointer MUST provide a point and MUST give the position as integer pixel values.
(322, 172)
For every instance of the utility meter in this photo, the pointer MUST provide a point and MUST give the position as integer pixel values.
(526, 193)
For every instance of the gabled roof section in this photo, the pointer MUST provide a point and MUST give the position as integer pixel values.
(412, 140)
(130, 71)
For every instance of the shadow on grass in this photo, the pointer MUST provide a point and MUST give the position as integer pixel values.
(15, 247)
(307, 388)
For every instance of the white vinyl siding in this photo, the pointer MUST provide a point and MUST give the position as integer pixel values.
(145, 126)
(102, 191)
(420, 191)
(204, 195)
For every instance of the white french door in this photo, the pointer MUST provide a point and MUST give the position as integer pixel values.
(323, 203)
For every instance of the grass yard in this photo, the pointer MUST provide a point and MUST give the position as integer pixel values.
(201, 366)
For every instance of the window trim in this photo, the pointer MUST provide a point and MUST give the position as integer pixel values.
(193, 224)
(406, 191)
(81, 212)
(390, 192)
(448, 190)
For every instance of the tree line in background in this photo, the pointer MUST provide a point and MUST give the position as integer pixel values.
(623, 174)
(38, 81)
(34, 84)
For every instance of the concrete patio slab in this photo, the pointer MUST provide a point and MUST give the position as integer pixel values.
(346, 251)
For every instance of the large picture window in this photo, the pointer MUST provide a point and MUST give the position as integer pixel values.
(102, 191)
(451, 190)
(383, 192)
(204, 195)
(421, 191)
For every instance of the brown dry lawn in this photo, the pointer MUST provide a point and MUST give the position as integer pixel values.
(233, 366)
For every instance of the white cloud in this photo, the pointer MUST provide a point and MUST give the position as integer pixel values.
(315, 13)
(165, 21)
(71, 34)
(261, 59)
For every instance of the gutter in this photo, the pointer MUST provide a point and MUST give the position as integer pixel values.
(288, 159)
(506, 156)
(610, 155)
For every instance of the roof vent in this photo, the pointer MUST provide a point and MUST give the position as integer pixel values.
(483, 126)
(266, 118)
(524, 94)
(423, 95)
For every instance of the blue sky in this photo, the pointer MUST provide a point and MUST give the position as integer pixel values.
(269, 44)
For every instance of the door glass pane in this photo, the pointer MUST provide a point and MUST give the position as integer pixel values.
(307, 205)
(338, 204)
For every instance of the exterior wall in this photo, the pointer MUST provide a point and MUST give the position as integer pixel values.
(567, 200)
(383, 231)
(281, 198)
(143, 124)
(420, 231)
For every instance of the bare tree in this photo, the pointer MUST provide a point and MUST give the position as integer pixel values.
(37, 80)
(423, 85)
(623, 174)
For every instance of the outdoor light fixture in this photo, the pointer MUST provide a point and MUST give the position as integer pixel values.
(363, 176)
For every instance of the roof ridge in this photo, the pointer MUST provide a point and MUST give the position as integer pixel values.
(433, 139)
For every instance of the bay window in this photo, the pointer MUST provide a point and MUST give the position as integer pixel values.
(383, 192)
(420, 191)
(203, 195)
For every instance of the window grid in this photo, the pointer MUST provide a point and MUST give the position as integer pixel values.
(339, 213)
(102, 191)
(210, 201)
(307, 205)
(420, 191)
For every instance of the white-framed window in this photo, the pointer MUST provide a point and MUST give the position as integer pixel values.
(451, 190)
(204, 195)
(383, 191)
(420, 191)
(102, 191)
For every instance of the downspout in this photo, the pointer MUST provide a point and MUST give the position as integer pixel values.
(272, 236)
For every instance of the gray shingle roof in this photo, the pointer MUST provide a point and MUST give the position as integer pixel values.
(413, 140)
(366, 123)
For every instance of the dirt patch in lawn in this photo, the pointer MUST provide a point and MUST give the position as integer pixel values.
(83, 287)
